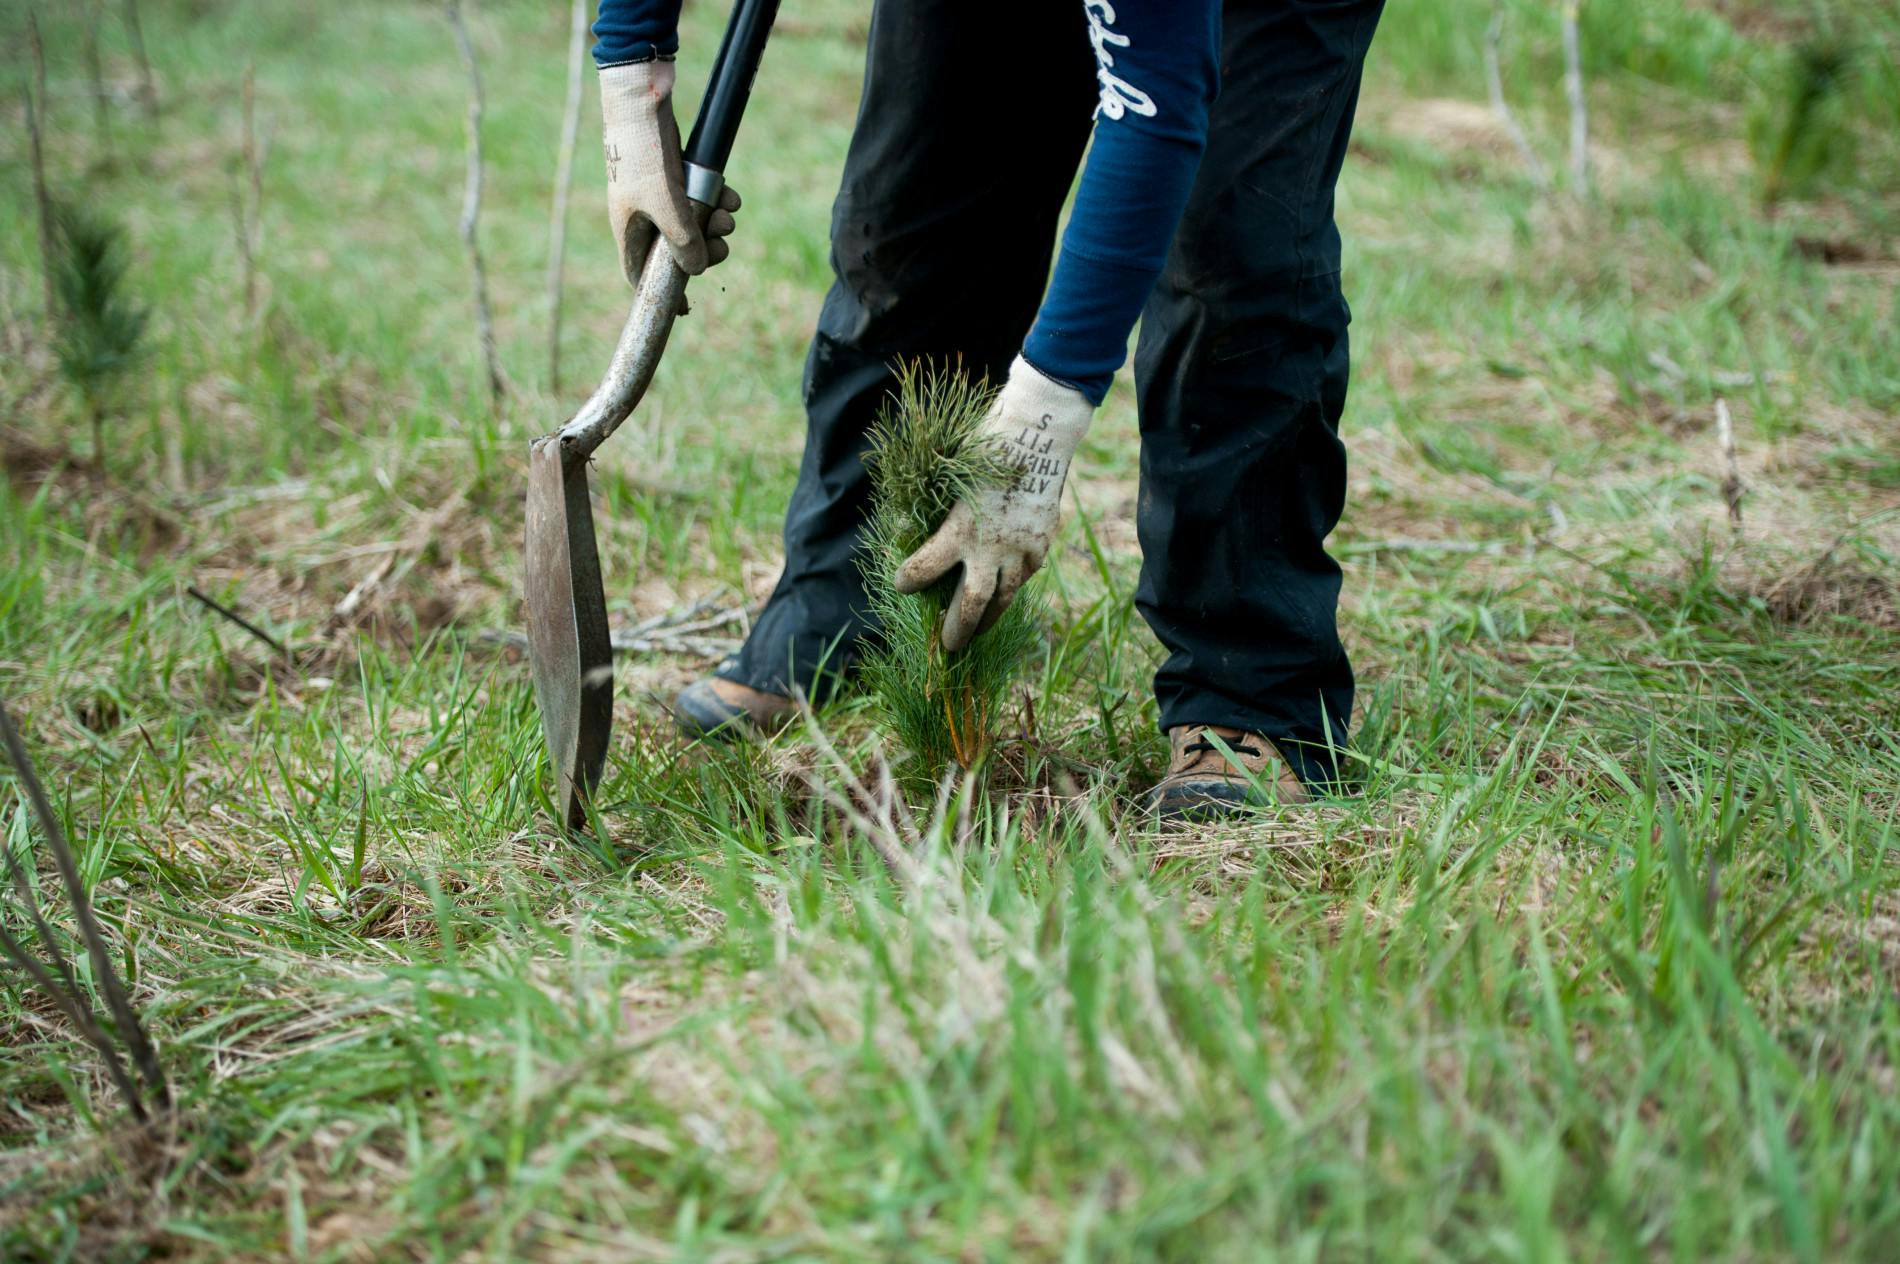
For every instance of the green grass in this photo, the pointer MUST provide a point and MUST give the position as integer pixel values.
(1601, 964)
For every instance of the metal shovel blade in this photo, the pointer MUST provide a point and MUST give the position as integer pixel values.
(568, 641)
(569, 646)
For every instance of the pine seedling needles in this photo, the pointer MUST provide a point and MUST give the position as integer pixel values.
(942, 707)
(100, 327)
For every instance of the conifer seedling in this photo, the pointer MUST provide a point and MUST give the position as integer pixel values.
(100, 329)
(924, 457)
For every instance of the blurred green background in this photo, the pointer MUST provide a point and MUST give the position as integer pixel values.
(1600, 965)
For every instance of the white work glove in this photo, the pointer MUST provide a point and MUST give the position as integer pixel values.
(646, 179)
(1000, 536)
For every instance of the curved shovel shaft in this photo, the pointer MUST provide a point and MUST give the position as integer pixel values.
(658, 301)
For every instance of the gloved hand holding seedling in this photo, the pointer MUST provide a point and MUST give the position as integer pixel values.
(960, 477)
(999, 533)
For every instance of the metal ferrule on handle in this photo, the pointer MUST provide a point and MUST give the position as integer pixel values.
(704, 185)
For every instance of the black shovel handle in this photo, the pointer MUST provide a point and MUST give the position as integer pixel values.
(740, 51)
(660, 291)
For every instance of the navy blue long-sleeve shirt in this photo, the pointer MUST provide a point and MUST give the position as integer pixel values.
(1158, 71)
(636, 30)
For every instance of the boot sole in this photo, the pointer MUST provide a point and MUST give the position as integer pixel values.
(1203, 800)
(1213, 799)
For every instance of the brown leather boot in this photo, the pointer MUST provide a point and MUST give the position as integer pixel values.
(1202, 782)
(726, 711)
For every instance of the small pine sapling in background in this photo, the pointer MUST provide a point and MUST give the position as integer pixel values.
(1804, 128)
(942, 707)
(101, 330)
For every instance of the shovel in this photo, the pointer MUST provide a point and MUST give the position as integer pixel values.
(568, 645)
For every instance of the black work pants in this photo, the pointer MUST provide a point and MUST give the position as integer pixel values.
(942, 236)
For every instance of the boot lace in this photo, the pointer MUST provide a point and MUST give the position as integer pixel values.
(1239, 746)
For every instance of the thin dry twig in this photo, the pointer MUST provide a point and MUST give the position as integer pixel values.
(96, 74)
(135, 32)
(1732, 486)
(118, 1003)
(563, 181)
(893, 843)
(674, 632)
(66, 1000)
(198, 595)
(35, 120)
(250, 216)
(1494, 82)
(1574, 92)
(472, 206)
(355, 602)
(29, 905)
(1407, 544)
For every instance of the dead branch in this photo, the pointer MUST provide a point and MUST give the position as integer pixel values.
(1408, 544)
(135, 32)
(35, 117)
(1494, 82)
(893, 842)
(64, 991)
(472, 205)
(1579, 106)
(95, 72)
(1732, 487)
(209, 603)
(118, 1003)
(679, 631)
(356, 602)
(250, 216)
(66, 1000)
(563, 181)
(241, 233)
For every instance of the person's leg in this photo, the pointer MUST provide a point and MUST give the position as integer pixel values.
(973, 118)
(1241, 379)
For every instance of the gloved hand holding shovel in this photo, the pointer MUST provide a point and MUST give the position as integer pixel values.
(646, 177)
